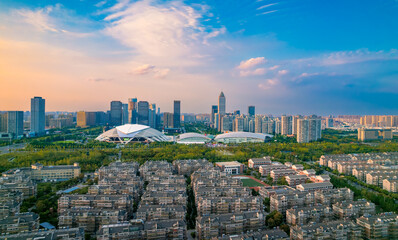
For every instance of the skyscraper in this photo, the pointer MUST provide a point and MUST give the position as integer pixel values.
(221, 104)
(38, 115)
(116, 113)
(214, 110)
(3, 122)
(177, 114)
(251, 110)
(152, 115)
(15, 123)
(168, 120)
(132, 110)
(125, 113)
(143, 113)
(286, 125)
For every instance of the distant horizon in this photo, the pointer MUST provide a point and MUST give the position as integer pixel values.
(291, 57)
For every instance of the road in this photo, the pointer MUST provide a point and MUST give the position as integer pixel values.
(7, 149)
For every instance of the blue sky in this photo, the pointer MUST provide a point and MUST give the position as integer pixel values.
(288, 56)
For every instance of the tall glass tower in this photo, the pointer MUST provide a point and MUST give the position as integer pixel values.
(221, 103)
(37, 117)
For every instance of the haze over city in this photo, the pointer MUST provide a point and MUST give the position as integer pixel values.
(334, 57)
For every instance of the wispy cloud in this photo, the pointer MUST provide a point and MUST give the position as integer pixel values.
(96, 80)
(161, 73)
(265, 6)
(265, 13)
(255, 72)
(252, 62)
(143, 69)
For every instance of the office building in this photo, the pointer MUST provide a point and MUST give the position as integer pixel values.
(15, 123)
(251, 111)
(143, 113)
(214, 110)
(37, 117)
(168, 120)
(86, 119)
(221, 103)
(125, 113)
(3, 122)
(132, 108)
(177, 114)
(116, 113)
(152, 117)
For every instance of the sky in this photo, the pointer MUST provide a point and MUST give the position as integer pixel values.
(283, 56)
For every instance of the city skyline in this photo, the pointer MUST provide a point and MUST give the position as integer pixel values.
(288, 57)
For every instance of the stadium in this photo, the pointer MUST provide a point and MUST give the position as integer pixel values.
(132, 133)
(192, 138)
(242, 137)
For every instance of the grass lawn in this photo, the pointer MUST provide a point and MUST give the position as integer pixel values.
(67, 141)
(250, 183)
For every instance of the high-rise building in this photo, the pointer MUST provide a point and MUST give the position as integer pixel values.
(309, 129)
(214, 110)
(168, 120)
(132, 110)
(37, 118)
(221, 104)
(116, 113)
(3, 122)
(226, 123)
(239, 124)
(86, 119)
(258, 123)
(152, 115)
(143, 113)
(286, 125)
(15, 123)
(125, 113)
(237, 112)
(251, 110)
(177, 114)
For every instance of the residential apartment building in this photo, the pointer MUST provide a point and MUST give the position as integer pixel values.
(380, 226)
(257, 162)
(353, 209)
(305, 215)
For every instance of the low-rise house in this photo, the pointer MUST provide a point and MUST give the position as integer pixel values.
(160, 212)
(295, 180)
(381, 226)
(305, 215)
(329, 230)
(257, 162)
(21, 222)
(215, 226)
(390, 185)
(231, 167)
(353, 209)
(314, 186)
(70, 233)
(277, 174)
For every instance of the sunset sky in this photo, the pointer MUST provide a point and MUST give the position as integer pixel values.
(286, 56)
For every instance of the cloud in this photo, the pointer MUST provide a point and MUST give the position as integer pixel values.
(360, 55)
(265, 6)
(274, 67)
(283, 72)
(143, 69)
(269, 83)
(252, 62)
(40, 19)
(255, 72)
(100, 79)
(161, 73)
(169, 31)
(265, 13)
(43, 22)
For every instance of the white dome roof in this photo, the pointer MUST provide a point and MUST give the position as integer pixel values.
(132, 133)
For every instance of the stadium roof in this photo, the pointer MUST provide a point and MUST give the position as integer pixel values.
(244, 136)
(132, 133)
(192, 138)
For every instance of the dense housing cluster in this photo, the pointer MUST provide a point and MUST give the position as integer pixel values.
(380, 169)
